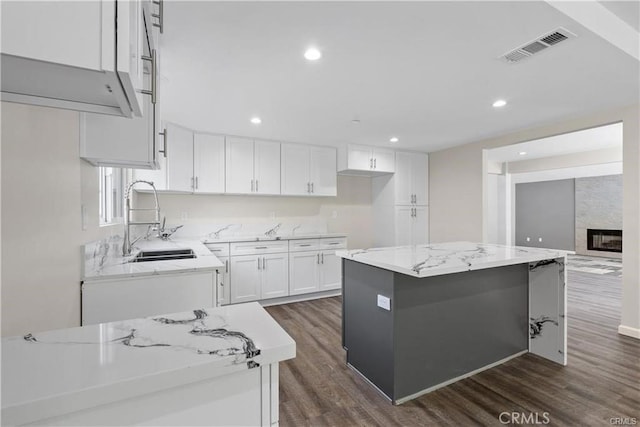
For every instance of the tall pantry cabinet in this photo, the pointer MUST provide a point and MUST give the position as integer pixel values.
(401, 202)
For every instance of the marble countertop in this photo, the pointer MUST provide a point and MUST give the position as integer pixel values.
(233, 239)
(103, 259)
(56, 372)
(446, 258)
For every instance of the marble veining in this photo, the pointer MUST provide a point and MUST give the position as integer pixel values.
(536, 325)
(446, 258)
(49, 372)
(155, 332)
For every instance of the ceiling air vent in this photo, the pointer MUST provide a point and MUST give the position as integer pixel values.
(541, 43)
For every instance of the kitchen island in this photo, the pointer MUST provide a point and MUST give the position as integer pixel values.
(416, 318)
(212, 366)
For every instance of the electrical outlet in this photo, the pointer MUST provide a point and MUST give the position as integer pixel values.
(384, 302)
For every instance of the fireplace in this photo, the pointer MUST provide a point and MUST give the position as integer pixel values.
(604, 240)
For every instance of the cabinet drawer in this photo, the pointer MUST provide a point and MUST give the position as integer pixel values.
(250, 248)
(333, 243)
(218, 249)
(304, 245)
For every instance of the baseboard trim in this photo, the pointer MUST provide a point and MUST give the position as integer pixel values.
(301, 297)
(629, 331)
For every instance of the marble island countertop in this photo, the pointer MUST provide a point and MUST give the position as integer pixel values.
(104, 260)
(55, 372)
(446, 258)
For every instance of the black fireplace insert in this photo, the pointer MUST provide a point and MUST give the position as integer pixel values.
(604, 240)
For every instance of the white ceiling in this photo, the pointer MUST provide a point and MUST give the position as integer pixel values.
(602, 137)
(426, 72)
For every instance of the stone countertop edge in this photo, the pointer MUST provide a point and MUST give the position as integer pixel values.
(376, 258)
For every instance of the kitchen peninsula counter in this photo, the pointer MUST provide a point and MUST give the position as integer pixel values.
(212, 366)
(416, 318)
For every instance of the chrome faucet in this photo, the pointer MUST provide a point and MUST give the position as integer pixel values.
(272, 232)
(127, 243)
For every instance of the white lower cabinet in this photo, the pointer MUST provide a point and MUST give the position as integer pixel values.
(314, 266)
(224, 282)
(259, 277)
(111, 300)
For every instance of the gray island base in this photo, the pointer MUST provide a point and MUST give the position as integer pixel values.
(419, 318)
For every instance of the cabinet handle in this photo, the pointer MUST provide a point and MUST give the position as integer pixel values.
(226, 266)
(322, 256)
(261, 247)
(371, 163)
(164, 135)
(304, 245)
(312, 187)
(196, 182)
(375, 163)
(154, 77)
(159, 15)
(334, 243)
(252, 186)
(264, 264)
(308, 187)
(258, 263)
(256, 185)
(318, 258)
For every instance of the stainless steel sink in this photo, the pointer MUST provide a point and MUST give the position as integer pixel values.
(164, 255)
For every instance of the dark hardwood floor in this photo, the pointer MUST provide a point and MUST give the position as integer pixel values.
(601, 381)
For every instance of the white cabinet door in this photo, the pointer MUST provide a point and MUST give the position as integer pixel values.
(303, 272)
(359, 157)
(295, 170)
(179, 158)
(383, 160)
(420, 178)
(267, 167)
(131, 33)
(121, 299)
(208, 163)
(245, 281)
(224, 284)
(403, 178)
(239, 165)
(121, 142)
(322, 172)
(404, 225)
(330, 271)
(420, 225)
(275, 275)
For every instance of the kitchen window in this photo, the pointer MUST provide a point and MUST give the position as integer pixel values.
(111, 195)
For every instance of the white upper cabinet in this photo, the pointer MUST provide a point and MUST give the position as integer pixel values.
(85, 56)
(208, 163)
(308, 170)
(179, 158)
(252, 167)
(411, 178)
(364, 160)
(411, 225)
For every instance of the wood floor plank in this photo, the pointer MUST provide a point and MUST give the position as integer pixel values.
(601, 381)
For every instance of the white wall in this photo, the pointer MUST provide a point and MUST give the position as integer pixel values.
(44, 184)
(457, 195)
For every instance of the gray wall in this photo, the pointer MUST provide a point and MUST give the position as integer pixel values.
(598, 205)
(546, 210)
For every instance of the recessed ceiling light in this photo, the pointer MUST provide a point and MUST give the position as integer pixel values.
(312, 54)
(500, 103)
(394, 139)
(523, 153)
(256, 120)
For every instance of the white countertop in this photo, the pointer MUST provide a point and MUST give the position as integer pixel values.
(446, 258)
(57, 372)
(103, 259)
